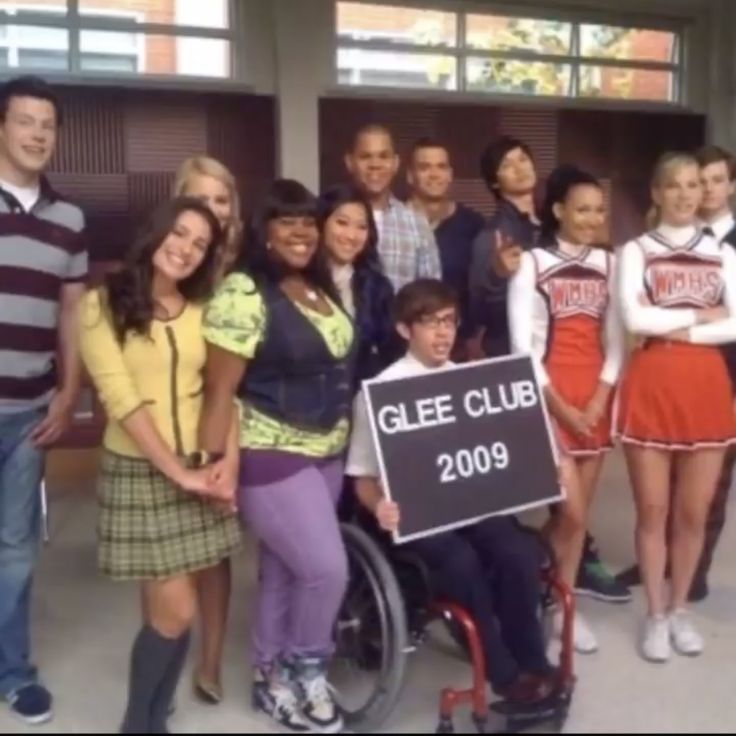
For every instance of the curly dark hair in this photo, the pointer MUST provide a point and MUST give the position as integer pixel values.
(129, 292)
(285, 198)
(564, 178)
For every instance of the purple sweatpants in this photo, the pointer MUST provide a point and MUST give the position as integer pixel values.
(303, 571)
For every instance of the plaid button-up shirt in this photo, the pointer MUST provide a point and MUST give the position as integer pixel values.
(406, 245)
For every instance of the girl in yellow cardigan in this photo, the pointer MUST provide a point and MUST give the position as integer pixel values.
(164, 518)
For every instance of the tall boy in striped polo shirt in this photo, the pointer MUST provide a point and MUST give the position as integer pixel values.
(43, 266)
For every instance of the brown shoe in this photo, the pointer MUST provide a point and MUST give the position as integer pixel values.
(530, 689)
(207, 692)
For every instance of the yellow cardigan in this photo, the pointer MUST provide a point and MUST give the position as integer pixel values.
(162, 372)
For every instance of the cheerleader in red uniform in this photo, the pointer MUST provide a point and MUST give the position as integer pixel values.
(678, 294)
(562, 312)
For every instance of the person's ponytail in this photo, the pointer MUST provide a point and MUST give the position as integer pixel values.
(653, 217)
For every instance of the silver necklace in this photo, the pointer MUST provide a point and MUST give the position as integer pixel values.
(311, 295)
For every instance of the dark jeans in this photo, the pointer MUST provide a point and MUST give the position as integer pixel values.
(492, 570)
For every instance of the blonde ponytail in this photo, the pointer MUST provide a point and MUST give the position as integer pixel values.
(652, 217)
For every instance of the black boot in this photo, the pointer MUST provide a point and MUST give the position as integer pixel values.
(161, 708)
(150, 659)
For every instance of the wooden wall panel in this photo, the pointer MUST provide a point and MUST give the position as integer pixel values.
(538, 128)
(92, 135)
(119, 149)
(459, 124)
(101, 193)
(117, 156)
(623, 146)
(619, 147)
(465, 129)
(246, 142)
(155, 139)
(144, 189)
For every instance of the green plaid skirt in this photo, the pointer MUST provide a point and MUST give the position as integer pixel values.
(151, 530)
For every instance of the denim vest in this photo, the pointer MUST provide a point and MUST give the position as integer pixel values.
(293, 377)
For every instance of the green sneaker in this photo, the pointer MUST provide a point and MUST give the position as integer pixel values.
(596, 581)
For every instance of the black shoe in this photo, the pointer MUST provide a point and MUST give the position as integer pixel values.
(31, 704)
(595, 581)
(699, 591)
(630, 577)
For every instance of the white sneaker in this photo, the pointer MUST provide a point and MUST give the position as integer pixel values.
(685, 637)
(278, 701)
(655, 646)
(318, 705)
(584, 640)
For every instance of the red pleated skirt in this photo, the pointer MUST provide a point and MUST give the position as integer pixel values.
(676, 396)
(577, 385)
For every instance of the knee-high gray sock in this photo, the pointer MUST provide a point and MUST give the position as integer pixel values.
(167, 687)
(150, 659)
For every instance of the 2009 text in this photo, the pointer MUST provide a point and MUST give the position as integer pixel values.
(466, 463)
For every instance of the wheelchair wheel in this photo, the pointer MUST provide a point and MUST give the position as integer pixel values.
(369, 666)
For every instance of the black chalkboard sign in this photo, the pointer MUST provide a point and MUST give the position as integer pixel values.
(461, 444)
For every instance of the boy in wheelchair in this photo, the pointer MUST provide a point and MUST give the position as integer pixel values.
(490, 569)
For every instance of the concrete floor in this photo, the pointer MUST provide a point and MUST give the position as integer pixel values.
(84, 626)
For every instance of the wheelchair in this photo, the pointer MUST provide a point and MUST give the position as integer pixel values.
(384, 619)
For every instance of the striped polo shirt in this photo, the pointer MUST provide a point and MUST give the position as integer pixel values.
(40, 251)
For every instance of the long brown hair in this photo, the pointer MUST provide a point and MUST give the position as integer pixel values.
(129, 292)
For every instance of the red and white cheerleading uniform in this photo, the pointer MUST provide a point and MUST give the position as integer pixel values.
(562, 312)
(677, 395)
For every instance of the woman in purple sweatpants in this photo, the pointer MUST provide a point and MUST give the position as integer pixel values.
(280, 342)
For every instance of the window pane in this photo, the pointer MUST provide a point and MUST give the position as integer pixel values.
(43, 59)
(364, 22)
(501, 33)
(36, 36)
(627, 84)
(27, 8)
(4, 61)
(204, 13)
(635, 44)
(518, 77)
(109, 42)
(36, 48)
(389, 69)
(152, 54)
(109, 63)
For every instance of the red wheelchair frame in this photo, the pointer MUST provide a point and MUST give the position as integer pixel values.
(477, 695)
(390, 566)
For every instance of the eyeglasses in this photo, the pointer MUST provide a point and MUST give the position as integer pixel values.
(434, 322)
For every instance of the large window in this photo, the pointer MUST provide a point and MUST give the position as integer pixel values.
(160, 38)
(394, 46)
